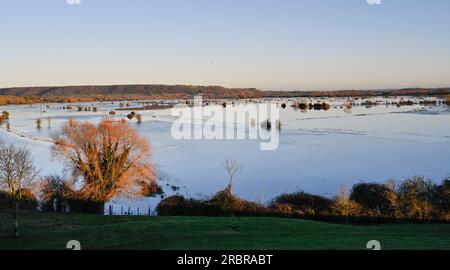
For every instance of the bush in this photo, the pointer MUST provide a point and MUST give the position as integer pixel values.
(221, 204)
(224, 203)
(375, 199)
(443, 203)
(29, 202)
(418, 198)
(343, 206)
(301, 203)
(179, 206)
(56, 194)
(77, 205)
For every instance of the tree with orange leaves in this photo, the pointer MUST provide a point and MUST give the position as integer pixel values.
(109, 158)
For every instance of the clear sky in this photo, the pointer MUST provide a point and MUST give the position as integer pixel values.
(268, 44)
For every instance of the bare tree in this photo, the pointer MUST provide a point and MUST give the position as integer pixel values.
(17, 174)
(232, 168)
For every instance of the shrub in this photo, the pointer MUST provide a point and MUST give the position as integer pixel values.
(344, 206)
(79, 205)
(28, 202)
(225, 203)
(443, 203)
(301, 203)
(221, 204)
(56, 194)
(375, 199)
(417, 198)
(178, 206)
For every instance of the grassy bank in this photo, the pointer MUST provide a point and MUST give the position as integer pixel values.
(52, 231)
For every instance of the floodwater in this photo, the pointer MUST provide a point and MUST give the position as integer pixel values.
(319, 151)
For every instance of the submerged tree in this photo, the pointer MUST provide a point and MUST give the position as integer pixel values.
(109, 158)
(17, 175)
(139, 118)
(4, 116)
(38, 123)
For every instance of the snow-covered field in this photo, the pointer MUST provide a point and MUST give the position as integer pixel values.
(319, 150)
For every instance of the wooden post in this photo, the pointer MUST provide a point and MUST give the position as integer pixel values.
(149, 211)
(138, 211)
(129, 210)
(110, 210)
(121, 211)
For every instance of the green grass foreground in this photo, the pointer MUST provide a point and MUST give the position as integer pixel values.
(53, 231)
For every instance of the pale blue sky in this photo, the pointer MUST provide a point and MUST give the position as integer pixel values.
(268, 44)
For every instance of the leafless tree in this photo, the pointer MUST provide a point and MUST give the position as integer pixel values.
(232, 168)
(17, 174)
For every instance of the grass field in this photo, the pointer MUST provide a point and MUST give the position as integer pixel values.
(53, 231)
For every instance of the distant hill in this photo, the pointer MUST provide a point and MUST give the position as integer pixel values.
(188, 91)
(131, 90)
(362, 93)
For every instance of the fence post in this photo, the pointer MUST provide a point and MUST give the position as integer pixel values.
(121, 211)
(129, 210)
(138, 211)
(110, 210)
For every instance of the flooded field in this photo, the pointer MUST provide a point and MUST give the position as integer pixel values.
(319, 150)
